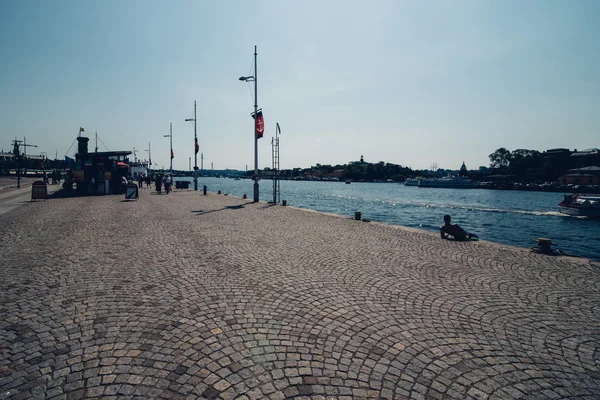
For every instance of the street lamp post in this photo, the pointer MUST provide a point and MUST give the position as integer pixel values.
(195, 149)
(44, 158)
(255, 79)
(170, 135)
(149, 157)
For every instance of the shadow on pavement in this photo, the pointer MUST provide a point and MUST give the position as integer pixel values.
(202, 212)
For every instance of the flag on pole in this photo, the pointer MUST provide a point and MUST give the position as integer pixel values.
(172, 154)
(197, 145)
(81, 129)
(260, 124)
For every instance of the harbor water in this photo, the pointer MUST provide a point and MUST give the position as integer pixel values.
(511, 217)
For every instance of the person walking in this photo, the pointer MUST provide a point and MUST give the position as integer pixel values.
(158, 183)
(167, 182)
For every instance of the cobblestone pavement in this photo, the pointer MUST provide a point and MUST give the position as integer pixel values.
(187, 296)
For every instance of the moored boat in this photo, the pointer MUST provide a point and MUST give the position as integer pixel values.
(412, 182)
(580, 205)
(459, 182)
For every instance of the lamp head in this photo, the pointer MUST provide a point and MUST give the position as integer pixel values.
(243, 78)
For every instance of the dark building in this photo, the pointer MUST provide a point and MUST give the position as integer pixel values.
(589, 176)
(99, 172)
(584, 158)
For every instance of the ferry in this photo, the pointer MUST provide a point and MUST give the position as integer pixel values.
(459, 182)
(580, 205)
(412, 182)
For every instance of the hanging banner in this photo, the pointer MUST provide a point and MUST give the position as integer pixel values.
(259, 124)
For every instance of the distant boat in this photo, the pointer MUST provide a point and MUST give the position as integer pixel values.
(449, 182)
(348, 181)
(580, 205)
(412, 182)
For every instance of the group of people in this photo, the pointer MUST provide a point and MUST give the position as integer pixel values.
(165, 181)
(144, 178)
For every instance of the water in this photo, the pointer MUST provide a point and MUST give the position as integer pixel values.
(510, 217)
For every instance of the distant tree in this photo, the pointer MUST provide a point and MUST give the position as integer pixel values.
(523, 160)
(500, 158)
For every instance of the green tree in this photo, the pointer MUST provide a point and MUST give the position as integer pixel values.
(500, 158)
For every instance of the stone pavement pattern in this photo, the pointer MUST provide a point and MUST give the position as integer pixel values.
(187, 296)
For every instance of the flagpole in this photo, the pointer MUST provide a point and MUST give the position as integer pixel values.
(195, 151)
(171, 138)
(255, 128)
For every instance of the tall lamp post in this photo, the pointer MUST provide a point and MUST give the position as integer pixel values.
(195, 149)
(255, 79)
(44, 159)
(149, 157)
(170, 135)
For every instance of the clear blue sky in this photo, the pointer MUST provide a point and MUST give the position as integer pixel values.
(403, 82)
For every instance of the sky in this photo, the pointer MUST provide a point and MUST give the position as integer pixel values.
(405, 82)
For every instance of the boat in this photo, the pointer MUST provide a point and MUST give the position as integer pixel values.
(412, 182)
(580, 205)
(458, 182)
(348, 181)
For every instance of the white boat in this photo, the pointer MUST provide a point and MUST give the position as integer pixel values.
(580, 205)
(412, 182)
(458, 182)
(138, 168)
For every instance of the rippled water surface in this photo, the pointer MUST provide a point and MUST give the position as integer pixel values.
(510, 217)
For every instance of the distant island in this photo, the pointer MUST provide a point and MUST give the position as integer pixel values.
(521, 168)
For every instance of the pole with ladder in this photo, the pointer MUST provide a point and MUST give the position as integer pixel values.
(275, 156)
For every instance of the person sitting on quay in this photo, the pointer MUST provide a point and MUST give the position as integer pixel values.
(454, 231)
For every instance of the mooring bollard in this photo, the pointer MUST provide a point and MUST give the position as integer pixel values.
(204, 190)
(284, 202)
(219, 192)
(357, 215)
(244, 196)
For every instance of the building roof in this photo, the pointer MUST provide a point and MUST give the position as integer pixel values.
(559, 150)
(586, 152)
(592, 168)
(100, 154)
(579, 175)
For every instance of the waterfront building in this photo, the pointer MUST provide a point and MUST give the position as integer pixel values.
(588, 176)
(98, 172)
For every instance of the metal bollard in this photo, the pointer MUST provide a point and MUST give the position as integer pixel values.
(204, 190)
(284, 202)
(219, 192)
(357, 215)
(244, 196)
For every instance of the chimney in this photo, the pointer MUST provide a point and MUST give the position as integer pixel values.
(82, 146)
